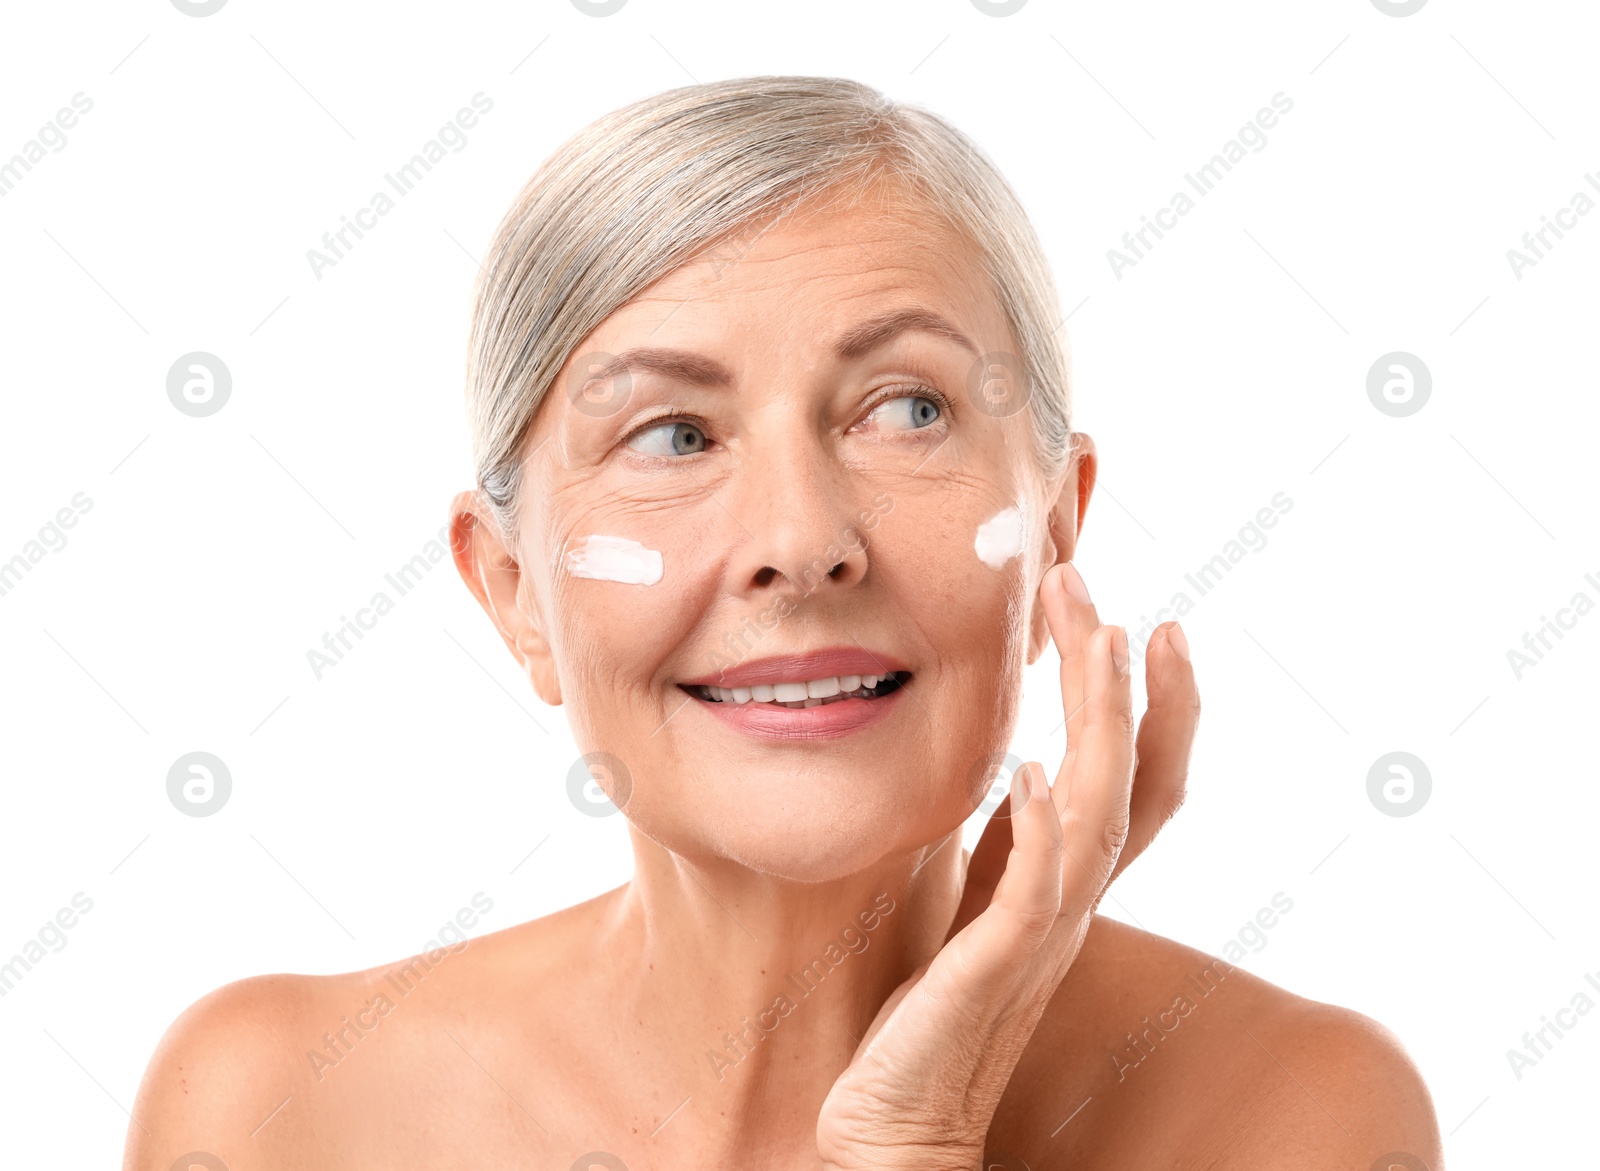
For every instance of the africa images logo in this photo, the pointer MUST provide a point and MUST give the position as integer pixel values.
(853, 940)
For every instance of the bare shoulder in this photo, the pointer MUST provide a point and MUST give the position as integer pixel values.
(279, 1070)
(212, 1078)
(1334, 1089)
(1173, 1054)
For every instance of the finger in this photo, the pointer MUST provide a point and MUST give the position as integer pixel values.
(1072, 619)
(986, 955)
(1027, 901)
(886, 1009)
(987, 864)
(1166, 735)
(1029, 893)
(1095, 823)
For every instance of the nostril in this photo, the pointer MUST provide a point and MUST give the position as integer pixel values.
(836, 571)
(765, 575)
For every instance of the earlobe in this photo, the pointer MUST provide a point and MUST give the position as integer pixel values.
(493, 575)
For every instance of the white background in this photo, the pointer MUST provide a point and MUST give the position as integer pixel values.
(1228, 365)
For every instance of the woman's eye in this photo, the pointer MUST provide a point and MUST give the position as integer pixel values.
(907, 413)
(669, 439)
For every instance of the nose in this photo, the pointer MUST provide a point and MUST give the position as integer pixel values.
(804, 537)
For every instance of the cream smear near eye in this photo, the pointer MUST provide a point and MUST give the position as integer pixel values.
(1000, 538)
(617, 559)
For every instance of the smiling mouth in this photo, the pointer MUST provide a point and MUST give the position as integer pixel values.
(798, 694)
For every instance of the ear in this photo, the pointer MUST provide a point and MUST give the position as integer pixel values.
(495, 578)
(1065, 522)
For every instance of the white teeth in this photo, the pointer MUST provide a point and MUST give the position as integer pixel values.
(811, 693)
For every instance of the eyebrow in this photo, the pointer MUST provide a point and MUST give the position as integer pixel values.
(874, 332)
(860, 339)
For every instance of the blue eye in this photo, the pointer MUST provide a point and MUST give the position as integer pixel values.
(669, 439)
(908, 412)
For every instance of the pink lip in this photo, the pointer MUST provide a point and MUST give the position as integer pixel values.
(825, 722)
(831, 661)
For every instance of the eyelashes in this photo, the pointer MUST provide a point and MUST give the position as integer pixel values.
(681, 439)
(922, 390)
(680, 418)
(665, 415)
(911, 399)
(667, 418)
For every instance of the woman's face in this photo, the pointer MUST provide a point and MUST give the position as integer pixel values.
(799, 428)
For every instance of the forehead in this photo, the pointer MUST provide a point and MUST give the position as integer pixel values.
(833, 261)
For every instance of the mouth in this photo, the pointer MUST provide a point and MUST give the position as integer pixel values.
(816, 695)
(798, 695)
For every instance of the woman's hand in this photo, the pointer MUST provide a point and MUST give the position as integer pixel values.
(925, 1081)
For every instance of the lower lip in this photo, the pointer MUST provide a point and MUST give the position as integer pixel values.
(825, 722)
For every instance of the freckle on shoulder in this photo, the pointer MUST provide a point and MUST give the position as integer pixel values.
(218, 1064)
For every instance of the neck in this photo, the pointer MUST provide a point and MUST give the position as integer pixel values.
(754, 991)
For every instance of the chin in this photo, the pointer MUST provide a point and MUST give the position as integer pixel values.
(815, 867)
(814, 839)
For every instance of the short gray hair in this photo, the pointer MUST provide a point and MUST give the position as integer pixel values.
(640, 191)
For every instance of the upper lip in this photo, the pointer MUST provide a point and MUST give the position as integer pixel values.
(799, 668)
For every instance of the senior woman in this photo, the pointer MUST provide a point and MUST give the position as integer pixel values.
(777, 493)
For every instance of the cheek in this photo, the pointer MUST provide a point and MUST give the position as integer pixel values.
(626, 589)
(604, 557)
(999, 538)
(959, 569)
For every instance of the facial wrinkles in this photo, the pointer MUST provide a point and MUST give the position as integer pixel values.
(845, 260)
(599, 530)
(963, 573)
(925, 593)
(620, 636)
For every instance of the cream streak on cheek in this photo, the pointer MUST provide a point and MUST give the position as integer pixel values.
(617, 559)
(999, 538)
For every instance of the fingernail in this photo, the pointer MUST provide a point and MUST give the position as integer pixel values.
(1019, 789)
(1119, 651)
(1074, 583)
(1178, 641)
(1039, 788)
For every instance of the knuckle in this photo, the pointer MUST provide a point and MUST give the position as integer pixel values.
(1114, 836)
(1173, 800)
(1035, 924)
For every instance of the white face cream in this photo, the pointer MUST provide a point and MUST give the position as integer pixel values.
(1000, 538)
(614, 559)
